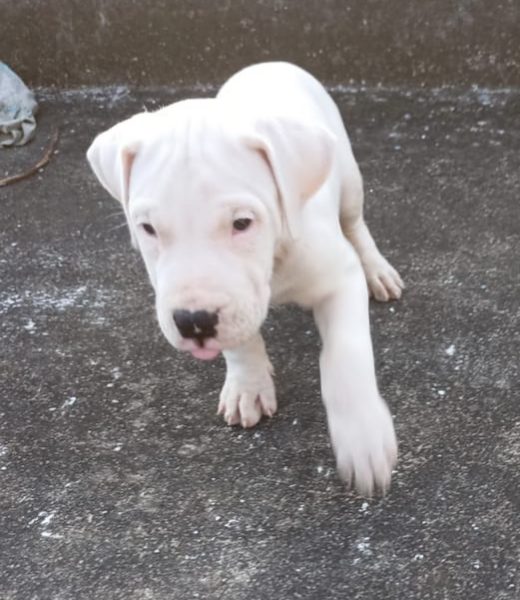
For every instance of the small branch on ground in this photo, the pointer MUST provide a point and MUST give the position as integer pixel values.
(35, 168)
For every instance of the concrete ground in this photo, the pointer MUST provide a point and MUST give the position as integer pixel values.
(118, 480)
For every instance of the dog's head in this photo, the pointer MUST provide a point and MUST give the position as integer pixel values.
(208, 197)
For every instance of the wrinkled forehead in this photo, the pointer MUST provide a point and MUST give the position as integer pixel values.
(197, 156)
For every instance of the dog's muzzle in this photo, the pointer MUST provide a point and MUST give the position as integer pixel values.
(198, 325)
(199, 329)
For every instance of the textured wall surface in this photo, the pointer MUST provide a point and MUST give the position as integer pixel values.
(160, 42)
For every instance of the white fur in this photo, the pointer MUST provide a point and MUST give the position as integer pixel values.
(270, 147)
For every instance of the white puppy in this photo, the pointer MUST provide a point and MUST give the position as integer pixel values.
(251, 198)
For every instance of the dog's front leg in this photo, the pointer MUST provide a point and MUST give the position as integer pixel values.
(248, 391)
(360, 425)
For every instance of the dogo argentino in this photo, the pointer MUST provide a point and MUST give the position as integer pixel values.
(251, 198)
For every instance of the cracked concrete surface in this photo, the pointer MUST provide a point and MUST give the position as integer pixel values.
(118, 480)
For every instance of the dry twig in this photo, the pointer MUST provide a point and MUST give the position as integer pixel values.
(36, 167)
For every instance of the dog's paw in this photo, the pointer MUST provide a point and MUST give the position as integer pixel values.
(383, 280)
(244, 402)
(365, 446)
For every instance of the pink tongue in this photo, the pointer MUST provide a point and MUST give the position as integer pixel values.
(205, 353)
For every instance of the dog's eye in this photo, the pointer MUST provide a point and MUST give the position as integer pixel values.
(148, 228)
(242, 224)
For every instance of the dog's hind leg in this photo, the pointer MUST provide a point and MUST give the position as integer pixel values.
(383, 280)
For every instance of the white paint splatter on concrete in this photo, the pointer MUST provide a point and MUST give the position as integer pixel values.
(363, 546)
(42, 300)
(68, 299)
(58, 300)
(70, 401)
(29, 326)
(46, 519)
(116, 373)
(51, 535)
(450, 350)
(231, 523)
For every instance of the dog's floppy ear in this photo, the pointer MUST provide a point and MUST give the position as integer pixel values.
(111, 156)
(300, 157)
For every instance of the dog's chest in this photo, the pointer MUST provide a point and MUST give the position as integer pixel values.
(295, 278)
(309, 270)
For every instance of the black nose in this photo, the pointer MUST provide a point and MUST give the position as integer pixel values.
(198, 325)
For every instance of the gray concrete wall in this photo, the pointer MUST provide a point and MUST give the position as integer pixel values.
(157, 42)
